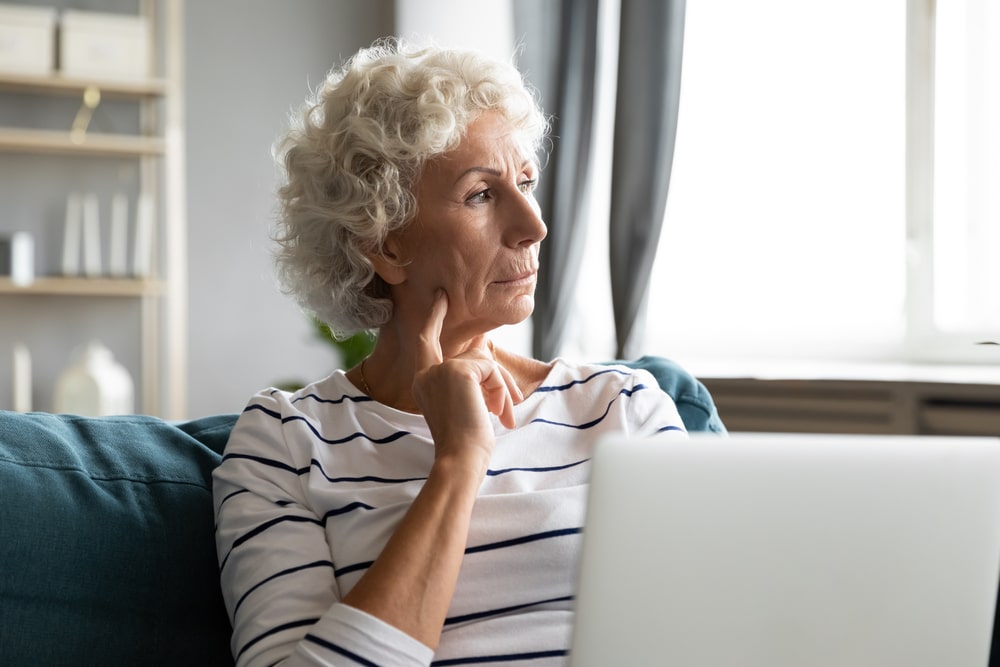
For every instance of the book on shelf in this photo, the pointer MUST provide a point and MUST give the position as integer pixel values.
(83, 252)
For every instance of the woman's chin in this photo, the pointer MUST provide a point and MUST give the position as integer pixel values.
(521, 308)
(511, 313)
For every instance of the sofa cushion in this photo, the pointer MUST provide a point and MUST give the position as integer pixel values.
(107, 541)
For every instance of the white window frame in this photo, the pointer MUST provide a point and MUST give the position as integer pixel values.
(925, 341)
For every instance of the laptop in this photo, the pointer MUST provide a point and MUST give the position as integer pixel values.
(790, 550)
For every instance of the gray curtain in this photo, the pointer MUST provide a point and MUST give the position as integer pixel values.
(649, 76)
(560, 59)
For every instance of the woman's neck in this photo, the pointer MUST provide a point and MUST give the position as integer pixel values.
(387, 374)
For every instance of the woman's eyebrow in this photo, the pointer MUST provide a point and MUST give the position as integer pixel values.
(487, 170)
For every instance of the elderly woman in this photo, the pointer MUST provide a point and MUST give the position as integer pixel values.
(427, 504)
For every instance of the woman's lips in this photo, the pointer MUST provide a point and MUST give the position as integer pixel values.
(525, 278)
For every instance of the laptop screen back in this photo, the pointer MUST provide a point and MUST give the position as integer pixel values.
(790, 550)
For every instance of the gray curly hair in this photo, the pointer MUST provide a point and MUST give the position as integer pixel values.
(353, 155)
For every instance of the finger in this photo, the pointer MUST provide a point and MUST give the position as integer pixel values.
(496, 392)
(507, 414)
(512, 386)
(485, 346)
(429, 339)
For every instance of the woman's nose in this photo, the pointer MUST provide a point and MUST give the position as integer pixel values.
(524, 224)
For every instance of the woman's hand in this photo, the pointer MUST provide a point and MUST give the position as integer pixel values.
(456, 395)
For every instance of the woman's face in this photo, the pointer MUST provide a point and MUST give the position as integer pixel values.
(476, 232)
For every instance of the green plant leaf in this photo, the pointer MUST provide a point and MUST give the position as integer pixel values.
(353, 349)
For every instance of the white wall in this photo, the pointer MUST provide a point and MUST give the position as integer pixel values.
(247, 63)
(484, 25)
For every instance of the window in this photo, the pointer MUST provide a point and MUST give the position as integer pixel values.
(836, 189)
(966, 230)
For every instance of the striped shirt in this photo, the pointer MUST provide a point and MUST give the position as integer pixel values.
(313, 483)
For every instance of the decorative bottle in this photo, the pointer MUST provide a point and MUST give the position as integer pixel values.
(95, 384)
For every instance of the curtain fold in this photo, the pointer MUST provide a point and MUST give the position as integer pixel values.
(564, 70)
(646, 110)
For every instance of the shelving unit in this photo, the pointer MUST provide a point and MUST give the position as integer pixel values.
(160, 299)
(57, 84)
(53, 141)
(63, 286)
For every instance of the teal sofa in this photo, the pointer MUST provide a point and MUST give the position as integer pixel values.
(106, 534)
(106, 541)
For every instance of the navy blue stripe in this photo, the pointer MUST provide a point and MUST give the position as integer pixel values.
(594, 422)
(260, 528)
(275, 630)
(345, 509)
(393, 480)
(261, 408)
(503, 610)
(276, 575)
(504, 471)
(392, 437)
(367, 478)
(564, 387)
(334, 401)
(670, 428)
(234, 493)
(340, 650)
(347, 569)
(510, 657)
(257, 530)
(215, 525)
(524, 539)
(280, 465)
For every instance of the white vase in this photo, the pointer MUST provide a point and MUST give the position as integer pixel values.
(95, 385)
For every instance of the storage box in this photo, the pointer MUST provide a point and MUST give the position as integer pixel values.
(104, 46)
(27, 39)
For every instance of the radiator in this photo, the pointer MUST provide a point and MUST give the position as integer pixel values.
(839, 406)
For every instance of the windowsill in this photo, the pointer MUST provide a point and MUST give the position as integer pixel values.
(763, 369)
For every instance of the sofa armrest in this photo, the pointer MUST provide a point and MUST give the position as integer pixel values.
(694, 401)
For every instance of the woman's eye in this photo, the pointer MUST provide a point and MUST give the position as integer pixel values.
(480, 197)
(483, 196)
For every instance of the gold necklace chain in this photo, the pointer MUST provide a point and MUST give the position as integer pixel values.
(368, 389)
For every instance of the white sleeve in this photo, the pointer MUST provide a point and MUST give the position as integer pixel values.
(350, 636)
(276, 570)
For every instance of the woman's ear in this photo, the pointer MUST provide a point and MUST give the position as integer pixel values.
(388, 263)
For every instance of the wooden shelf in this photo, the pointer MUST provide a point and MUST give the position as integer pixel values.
(80, 286)
(57, 84)
(17, 140)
